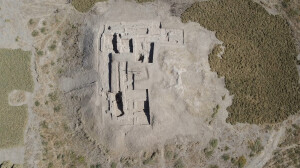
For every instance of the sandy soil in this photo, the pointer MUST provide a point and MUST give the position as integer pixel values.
(184, 91)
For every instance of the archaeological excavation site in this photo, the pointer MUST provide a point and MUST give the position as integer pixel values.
(149, 84)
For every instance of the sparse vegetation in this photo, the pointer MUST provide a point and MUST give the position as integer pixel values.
(31, 22)
(96, 166)
(225, 157)
(259, 59)
(142, 1)
(213, 143)
(57, 108)
(15, 74)
(292, 136)
(44, 124)
(208, 153)
(168, 155)
(52, 47)
(256, 147)
(35, 33)
(84, 5)
(53, 96)
(179, 163)
(6, 164)
(37, 103)
(291, 8)
(213, 166)
(215, 111)
(113, 165)
(241, 162)
(150, 159)
(43, 30)
(282, 158)
(40, 53)
(50, 165)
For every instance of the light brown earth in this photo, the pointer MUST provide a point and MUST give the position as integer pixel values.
(189, 101)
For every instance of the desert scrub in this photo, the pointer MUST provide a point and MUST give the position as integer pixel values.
(225, 157)
(208, 153)
(31, 22)
(241, 162)
(179, 164)
(213, 143)
(213, 166)
(57, 108)
(285, 158)
(259, 59)
(255, 147)
(52, 47)
(150, 159)
(35, 33)
(113, 165)
(142, 1)
(96, 166)
(15, 74)
(40, 53)
(53, 96)
(43, 30)
(36, 103)
(84, 5)
(215, 111)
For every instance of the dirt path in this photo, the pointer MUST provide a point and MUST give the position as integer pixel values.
(266, 154)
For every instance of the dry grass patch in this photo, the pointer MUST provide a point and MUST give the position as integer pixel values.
(84, 5)
(15, 74)
(259, 63)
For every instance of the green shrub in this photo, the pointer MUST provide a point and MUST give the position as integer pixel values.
(57, 108)
(52, 47)
(44, 124)
(43, 30)
(35, 33)
(241, 162)
(208, 153)
(81, 159)
(40, 53)
(31, 21)
(215, 111)
(213, 143)
(113, 165)
(225, 157)
(168, 155)
(53, 96)
(37, 103)
(50, 165)
(256, 146)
